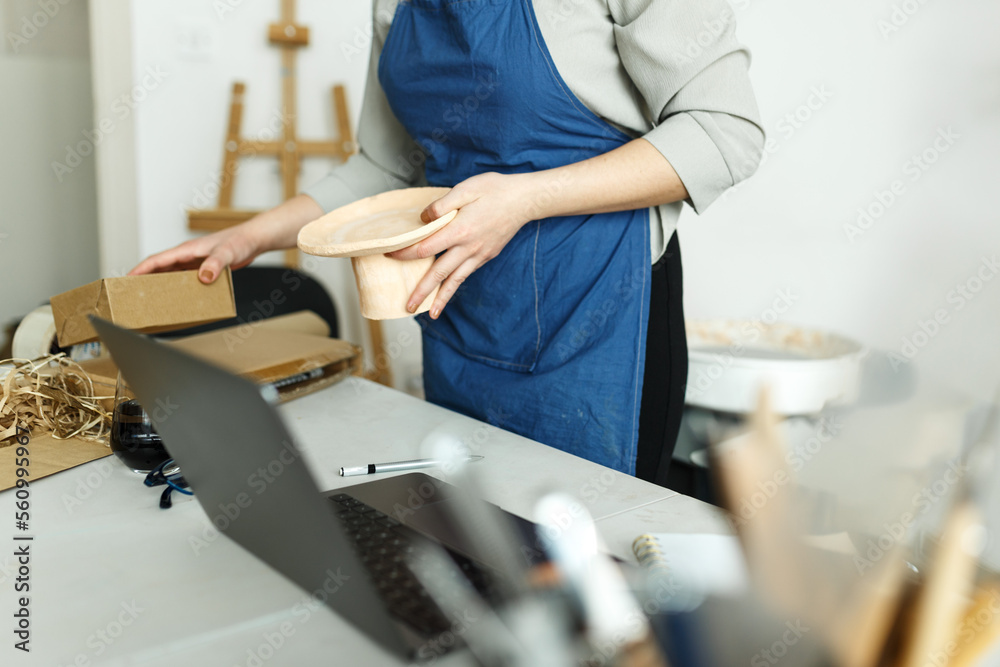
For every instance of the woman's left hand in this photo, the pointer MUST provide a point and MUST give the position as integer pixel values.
(491, 209)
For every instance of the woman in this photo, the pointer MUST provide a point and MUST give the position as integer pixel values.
(570, 132)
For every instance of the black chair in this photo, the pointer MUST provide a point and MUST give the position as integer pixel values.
(263, 292)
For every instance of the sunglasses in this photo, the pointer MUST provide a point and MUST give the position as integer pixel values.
(168, 473)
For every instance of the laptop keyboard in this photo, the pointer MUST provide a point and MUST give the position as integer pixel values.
(384, 545)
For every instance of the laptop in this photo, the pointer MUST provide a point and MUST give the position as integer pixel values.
(251, 481)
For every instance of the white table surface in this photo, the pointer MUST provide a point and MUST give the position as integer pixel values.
(117, 581)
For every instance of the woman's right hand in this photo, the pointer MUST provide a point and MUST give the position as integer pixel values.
(234, 247)
(237, 246)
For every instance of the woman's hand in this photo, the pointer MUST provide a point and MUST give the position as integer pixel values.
(237, 246)
(491, 209)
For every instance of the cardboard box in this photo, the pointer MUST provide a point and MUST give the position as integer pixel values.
(295, 363)
(292, 351)
(49, 456)
(149, 303)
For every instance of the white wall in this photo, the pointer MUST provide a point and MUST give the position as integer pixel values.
(889, 96)
(198, 49)
(48, 227)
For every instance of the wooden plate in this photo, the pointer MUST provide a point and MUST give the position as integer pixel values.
(376, 225)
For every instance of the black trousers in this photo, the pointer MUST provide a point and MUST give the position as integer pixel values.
(665, 377)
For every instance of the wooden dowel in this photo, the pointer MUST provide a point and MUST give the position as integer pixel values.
(344, 135)
(231, 148)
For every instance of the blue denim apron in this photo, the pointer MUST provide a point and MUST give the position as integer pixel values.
(548, 339)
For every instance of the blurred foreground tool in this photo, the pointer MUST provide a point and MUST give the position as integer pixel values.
(549, 614)
(613, 620)
(757, 489)
(860, 632)
(942, 595)
(980, 629)
(751, 468)
(948, 582)
(855, 616)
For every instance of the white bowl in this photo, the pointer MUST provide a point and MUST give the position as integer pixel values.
(805, 370)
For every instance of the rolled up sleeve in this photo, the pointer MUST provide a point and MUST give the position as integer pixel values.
(693, 75)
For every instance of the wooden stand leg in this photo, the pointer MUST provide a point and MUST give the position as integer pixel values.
(345, 139)
(229, 154)
(382, 369)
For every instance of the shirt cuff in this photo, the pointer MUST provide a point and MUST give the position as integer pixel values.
(694, 156)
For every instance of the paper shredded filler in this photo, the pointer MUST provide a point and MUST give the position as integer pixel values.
(50, 394)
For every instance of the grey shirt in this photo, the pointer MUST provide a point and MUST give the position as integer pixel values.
(670, 71)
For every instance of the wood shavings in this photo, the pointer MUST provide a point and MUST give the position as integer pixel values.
(50, 394)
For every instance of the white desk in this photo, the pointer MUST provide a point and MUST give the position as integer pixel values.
(101, 544)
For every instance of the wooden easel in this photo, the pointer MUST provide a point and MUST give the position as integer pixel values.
(289, 149)
(288, 36)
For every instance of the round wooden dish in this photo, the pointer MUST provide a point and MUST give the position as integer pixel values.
(365, 231)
